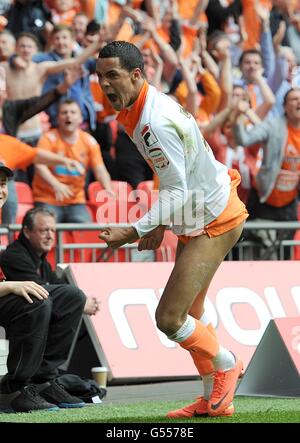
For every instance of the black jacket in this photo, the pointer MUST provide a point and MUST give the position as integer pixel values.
(19, 262)
(30, 16)
(16, 112)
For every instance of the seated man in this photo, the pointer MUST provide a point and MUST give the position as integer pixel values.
(25, 258)
(40, 324)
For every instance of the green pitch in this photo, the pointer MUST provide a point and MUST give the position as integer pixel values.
(248, 410)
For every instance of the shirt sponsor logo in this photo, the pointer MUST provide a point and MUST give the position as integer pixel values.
(148, 135)
(158, 158)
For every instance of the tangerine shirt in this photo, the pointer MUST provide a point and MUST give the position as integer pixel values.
(14, 153)
(85, 150)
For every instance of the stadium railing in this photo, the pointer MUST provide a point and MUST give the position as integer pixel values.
(82, 246)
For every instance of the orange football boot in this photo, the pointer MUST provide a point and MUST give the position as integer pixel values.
(224, 388)
(197, 409)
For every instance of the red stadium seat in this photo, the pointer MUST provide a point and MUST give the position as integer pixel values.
(4, 240)
(92, 211)
(21, 211)
(24, 193)
(122, 190)
(146, 185)
(96, 255)
(296, 249)
(146, 193)
(116, 211)
(51, 257)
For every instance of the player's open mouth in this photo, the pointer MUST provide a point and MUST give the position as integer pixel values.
(112, 97)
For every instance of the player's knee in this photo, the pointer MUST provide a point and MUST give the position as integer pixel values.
(167, 322)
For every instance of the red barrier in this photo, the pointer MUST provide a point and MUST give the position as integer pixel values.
(242, 299)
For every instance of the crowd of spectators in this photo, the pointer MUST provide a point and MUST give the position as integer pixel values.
(233, 64)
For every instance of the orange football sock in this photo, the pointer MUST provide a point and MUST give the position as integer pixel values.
(212, 330)
(204, 366)
(201, 342)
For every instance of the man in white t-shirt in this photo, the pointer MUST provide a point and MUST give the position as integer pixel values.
(198, 199)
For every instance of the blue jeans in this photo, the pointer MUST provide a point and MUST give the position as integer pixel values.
(9, 210)
(68, 214)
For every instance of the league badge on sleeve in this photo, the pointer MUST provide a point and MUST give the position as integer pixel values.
(148, 135)
(158, 158)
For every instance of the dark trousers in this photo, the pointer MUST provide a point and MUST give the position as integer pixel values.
(40, 334)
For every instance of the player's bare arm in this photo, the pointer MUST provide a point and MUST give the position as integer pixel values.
(116, 237)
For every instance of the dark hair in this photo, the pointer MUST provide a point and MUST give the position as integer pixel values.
(250, 51)
(28, 35)
(129, 55)
(68, 101)
(93, 27)
(29, 217)
(288, 93)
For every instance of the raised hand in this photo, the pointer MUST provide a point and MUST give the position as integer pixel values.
(262, 12)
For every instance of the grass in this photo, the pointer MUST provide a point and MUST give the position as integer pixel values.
(248, 410)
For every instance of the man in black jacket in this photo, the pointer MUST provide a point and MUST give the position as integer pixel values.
(30, 16)
(26, 257)
(40, 323)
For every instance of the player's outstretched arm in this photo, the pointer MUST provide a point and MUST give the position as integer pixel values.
(116, 237)
(152, 240)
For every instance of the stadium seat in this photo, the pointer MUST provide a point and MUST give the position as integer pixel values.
(21, 211)
(147, 188)
(4, 241)
(92, 211)
(167, 249)
(114, 211)
(146, 185)
(121, 188)
(296, 249)
(24, 193)
(68, 254)
(51, 257)
(87, 254)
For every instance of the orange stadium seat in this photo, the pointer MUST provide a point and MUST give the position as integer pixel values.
(24, 193)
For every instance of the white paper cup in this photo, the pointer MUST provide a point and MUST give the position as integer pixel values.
(100, 375)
